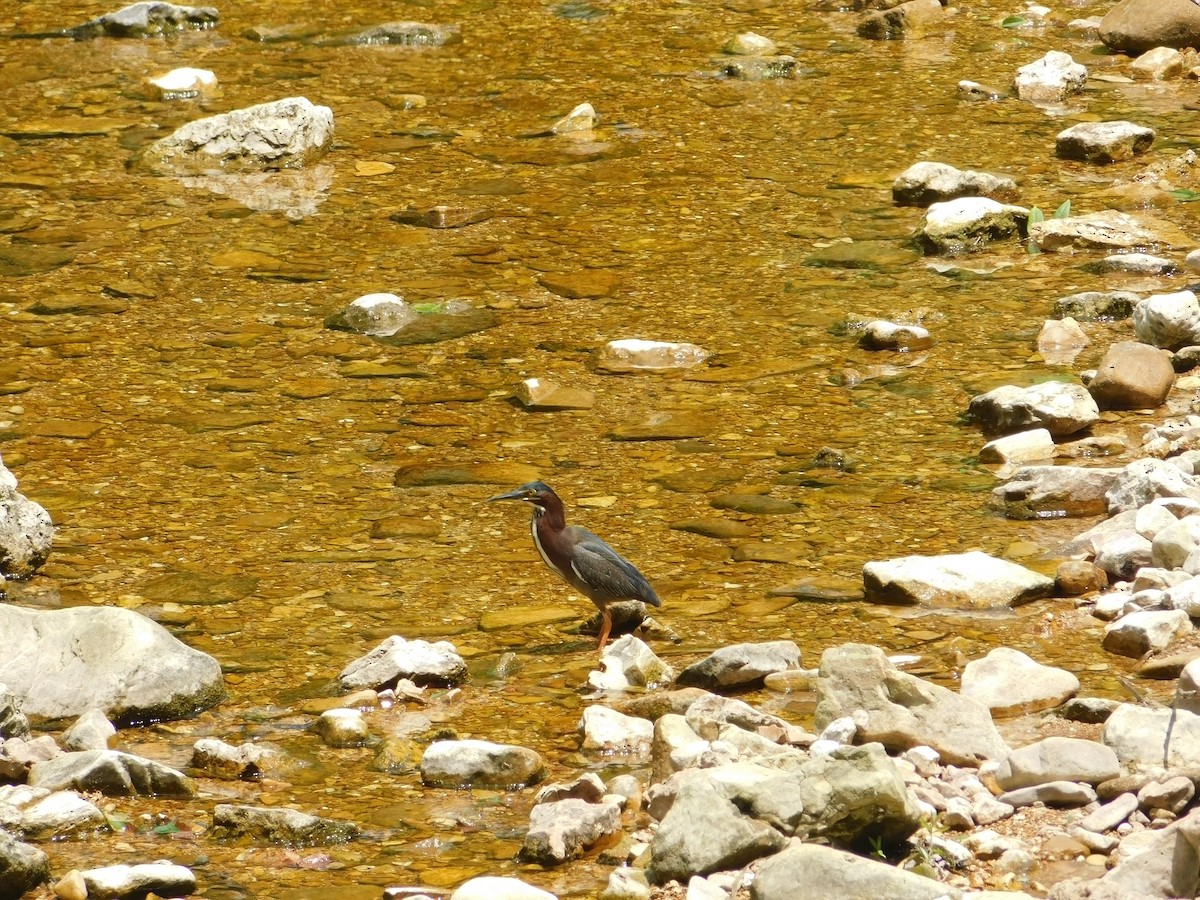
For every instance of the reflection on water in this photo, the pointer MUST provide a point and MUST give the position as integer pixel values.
(219, 459)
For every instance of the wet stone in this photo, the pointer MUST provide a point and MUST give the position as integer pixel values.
(722, 529)
(421, 474)
(520, 617)
(280, 826)
(663, 427)
(539, 394)
(78, 306)
(587, 284)
(404, 34)
(759, 68)
(149, 19)
(441, 216)
(862, 255)
(754, 504)
(17, 261)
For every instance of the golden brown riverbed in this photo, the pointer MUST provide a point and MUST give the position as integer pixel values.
(217, 458)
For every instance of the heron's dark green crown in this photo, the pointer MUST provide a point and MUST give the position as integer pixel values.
(536, 492)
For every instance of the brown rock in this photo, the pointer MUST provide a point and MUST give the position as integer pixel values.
(1135, 26)
(1078, 576)
(1132, 375)
(588, 284)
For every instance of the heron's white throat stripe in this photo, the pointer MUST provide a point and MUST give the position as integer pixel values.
(537, 542)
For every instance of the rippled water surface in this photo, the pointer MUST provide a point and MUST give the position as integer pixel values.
(217, 458)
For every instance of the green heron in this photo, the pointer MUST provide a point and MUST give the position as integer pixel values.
(579, 557)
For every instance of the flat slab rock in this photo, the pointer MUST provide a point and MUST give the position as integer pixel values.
(953, 581)
(741, 665)
(281, 826)
(161, 879)
(61, 663)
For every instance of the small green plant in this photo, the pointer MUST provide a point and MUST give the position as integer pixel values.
(1036, 215)
(876, 843)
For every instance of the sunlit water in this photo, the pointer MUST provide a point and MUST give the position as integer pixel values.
(216, 457)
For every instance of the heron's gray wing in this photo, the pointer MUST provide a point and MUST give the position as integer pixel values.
(608, 574)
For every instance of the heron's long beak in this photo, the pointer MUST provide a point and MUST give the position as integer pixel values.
(518, 494)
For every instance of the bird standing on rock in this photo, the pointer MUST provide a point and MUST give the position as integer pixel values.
(579, 557)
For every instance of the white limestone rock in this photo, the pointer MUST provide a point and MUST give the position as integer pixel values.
(971, 580)
(1050, 79)
(1008, 682)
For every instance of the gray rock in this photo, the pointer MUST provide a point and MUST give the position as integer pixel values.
(419, 661)
(1137, 264)
(759, 68)
(1040, 492)
(13, 722)
(1052, 793)
(953, 581)
(741, 665)
(245, 761)
(1108, 230)
(161, 879)
(883, 335)
(278, 825)
(1172, 794)
(152, 19)
(473, 763)
(848, 798)
(1168, 867)
(1139, 633)
(1171, 546)
(1132, 375)
(612, 732)
(1144, 480)
(378, 314)
(587, 787)
(900, 710)
(1097, 306)
(41, 814)
(1057, 759)
(1089, 710)
(17, 756)
(110, 772)
(924, 183)
(1008, 682)
(284, 134)
(403, 34)
(26, 532)
(815, 872)
(632, 355)
(564, 829)
(342, 728)
(1103, 142)
(91, 731)
(968, 224)
(22, 867)
(1062, 409)
(624, 883)
(704, 832)
(1154, 741)
(60, 663)
(1171, 321)
(712, 708)
(1187, 690)
(1050, 79)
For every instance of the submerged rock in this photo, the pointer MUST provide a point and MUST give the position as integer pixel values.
(284, 134)
(141, 20)
(632, 355)
(1107, 230)
(275, 825)
(404, 34)
(903, 20)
